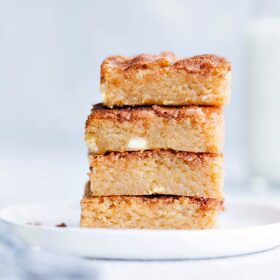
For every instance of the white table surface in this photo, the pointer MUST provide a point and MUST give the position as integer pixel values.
(264, 265)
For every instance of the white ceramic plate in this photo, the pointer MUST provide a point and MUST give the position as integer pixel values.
(244, 228)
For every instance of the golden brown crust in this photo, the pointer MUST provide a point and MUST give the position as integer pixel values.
(131, 113)
(204, 203)
(201, 64)
(197, 158)
(142, 61)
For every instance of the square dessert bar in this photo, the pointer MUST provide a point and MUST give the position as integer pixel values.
(165, 80)
(149, 212)
(186, 128)
(157, 172)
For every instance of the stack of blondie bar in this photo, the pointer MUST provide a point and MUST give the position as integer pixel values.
(155, 144)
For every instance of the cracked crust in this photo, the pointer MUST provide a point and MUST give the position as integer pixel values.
(164, 80)
(200, 64)
(131, 113)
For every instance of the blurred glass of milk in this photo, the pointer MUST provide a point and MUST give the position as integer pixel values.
(264, 102)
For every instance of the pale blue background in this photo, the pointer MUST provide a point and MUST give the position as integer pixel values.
(50, 54)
